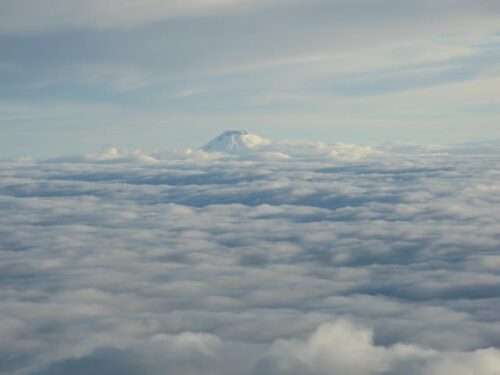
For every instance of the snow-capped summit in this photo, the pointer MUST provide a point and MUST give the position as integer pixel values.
(233, 141)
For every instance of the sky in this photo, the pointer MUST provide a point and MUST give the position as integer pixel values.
(77, 76)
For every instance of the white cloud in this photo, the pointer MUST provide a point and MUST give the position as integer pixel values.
(113, 154)
(339, 348)
(254, 264)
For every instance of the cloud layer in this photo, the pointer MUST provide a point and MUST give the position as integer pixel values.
(300, 258)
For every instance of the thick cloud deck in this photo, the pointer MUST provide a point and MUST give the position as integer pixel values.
(301, 259)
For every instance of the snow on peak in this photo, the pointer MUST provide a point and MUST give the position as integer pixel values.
(233, 141)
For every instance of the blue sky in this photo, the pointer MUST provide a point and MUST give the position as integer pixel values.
(80, 75)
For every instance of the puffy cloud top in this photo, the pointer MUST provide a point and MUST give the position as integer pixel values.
(336, 259)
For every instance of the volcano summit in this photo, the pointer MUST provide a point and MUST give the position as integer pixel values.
(235, 141)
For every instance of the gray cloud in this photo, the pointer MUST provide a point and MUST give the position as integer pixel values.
(225, 41)
(252, 263)
(28, 16)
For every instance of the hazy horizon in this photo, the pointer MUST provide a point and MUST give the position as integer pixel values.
(190, 145)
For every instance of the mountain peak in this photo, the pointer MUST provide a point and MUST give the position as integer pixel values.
(234, 141)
